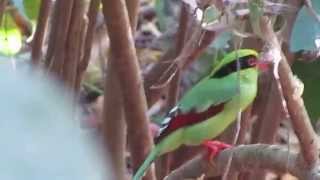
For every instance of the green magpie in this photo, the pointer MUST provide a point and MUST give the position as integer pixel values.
(209, 107)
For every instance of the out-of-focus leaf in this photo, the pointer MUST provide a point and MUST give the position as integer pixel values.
(8, 22)
(10, 41)
(31, 8)
(159, 6)
(210, 14)
(222, 40)
(306, 30)
(310, 76)
(167, 13)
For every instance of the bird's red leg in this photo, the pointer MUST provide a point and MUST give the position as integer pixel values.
(214, 147)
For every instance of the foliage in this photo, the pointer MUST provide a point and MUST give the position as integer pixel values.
(306, 30)
(309, 74)
(10, 36)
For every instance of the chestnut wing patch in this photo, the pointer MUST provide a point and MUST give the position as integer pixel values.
(176, 120)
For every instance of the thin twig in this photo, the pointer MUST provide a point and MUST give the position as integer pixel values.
(190, 53)
(173, 94)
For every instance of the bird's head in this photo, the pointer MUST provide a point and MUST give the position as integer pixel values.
(247, 58)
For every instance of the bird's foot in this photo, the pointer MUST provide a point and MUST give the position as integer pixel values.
(214, 148)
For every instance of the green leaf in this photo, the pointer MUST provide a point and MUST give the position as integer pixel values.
(310, 75)
(210, 14)
(306, 30)
(159, 7)
(31, 8)
(10, 36)
(8, 22)
(10, 41)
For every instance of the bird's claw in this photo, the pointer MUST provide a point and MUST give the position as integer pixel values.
(214, 148)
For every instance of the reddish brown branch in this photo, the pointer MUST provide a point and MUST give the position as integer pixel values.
(58, 36)
(245, 125)
(92, 17)
(40, 31)
(84, 61)
(133, 8)
(74, 44)
(270, 116)
(114, 127)
(299, 116)
(127, 70)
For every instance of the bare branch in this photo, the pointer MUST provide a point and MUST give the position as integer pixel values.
(74, 45)
(40, 31)
(114, 127)
(58, 36)
(247, 157)
(299, 116)
(127, 70)
(92, 16)
(173, 94)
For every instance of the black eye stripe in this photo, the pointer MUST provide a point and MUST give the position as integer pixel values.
(245, 62)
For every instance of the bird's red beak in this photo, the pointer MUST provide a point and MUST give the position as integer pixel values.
(262, 65)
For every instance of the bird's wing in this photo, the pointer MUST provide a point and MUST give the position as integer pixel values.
(209, 92)
(203, 101)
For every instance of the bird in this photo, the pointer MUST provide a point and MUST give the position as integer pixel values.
(208, 108)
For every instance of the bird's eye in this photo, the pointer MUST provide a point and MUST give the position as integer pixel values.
(252, 61)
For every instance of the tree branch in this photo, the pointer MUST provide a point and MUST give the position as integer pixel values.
(247, 157)
(92, 16)
(40, 31)
(173, 94)
(58, 36)
(74, 45)
(127, 70)
(190, 52)
(114, 127)
(298, 114)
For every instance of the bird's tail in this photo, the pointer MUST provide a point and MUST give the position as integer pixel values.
(145, 165)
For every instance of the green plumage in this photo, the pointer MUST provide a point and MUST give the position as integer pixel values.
(236, 90)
